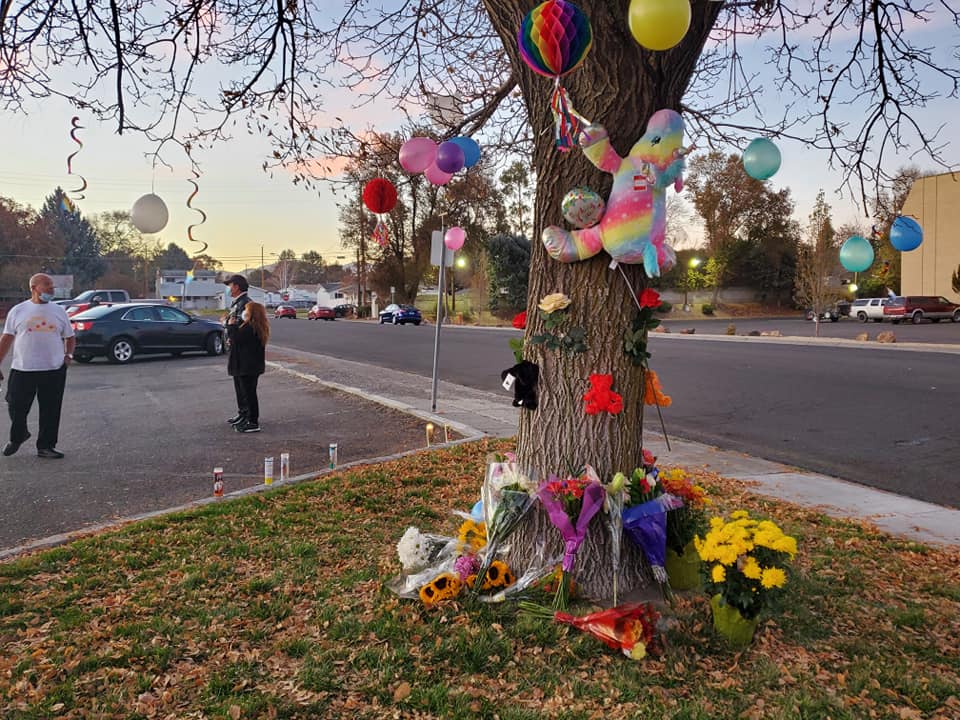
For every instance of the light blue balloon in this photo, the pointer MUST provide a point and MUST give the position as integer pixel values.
(856, 254)
(471, 151)
(905, 234)
(476, 512)
(761, 159)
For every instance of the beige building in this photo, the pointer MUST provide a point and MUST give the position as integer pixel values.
(934, 202)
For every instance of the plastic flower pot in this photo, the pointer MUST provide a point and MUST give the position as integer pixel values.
(683, 570)
(729, 623)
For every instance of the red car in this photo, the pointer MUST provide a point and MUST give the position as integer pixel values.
(917, 307)
(285, 311)
(318, 312)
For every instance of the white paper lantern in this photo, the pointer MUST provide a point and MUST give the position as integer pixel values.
(149, 214)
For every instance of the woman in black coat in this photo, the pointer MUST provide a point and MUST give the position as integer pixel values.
(246, 363)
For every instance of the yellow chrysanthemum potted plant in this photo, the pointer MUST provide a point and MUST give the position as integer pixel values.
(745, 564)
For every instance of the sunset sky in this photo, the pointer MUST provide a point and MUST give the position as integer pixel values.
(247, 209)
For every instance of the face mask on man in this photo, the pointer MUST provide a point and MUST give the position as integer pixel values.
(46, 297)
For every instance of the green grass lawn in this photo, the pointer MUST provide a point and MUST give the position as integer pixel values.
(274, 606)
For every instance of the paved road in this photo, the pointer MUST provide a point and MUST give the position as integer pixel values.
(880, 417)
(146, 436)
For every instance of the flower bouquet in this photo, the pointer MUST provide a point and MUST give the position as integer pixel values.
(507, 495)
(645, 517)
(570, 504)
(748, 560)
(632, 629)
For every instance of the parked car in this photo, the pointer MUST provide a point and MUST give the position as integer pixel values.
(400, 315)
(918, 307)
(828, 314)
(346, 310)
(92, 298)
(319, 312)
(864, 309)
(122, 331)
(285, 311)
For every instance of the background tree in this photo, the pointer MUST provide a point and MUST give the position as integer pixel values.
(311, 269)
(508, 267)
(82, 255)
(24, 248)
(816, 262)
(885, 272)
(174, 257)
(955, 280)
(516, 181)
(130, 255)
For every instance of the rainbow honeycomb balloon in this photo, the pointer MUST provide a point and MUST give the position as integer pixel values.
(554, 38)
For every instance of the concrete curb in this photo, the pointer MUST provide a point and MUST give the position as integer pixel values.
(828, 342)
(468, 432)
(63, 538)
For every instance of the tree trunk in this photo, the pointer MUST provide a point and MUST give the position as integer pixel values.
(620, 85)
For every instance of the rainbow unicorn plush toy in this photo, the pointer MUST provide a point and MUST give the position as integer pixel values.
(632, 227)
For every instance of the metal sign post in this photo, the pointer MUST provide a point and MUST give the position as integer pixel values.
(439, 255)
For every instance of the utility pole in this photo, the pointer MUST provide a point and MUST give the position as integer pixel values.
(261, 268)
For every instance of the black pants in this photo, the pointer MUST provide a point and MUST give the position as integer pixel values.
(47, 386)
(247, 403)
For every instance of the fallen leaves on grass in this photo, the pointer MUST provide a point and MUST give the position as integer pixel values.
(272, 606)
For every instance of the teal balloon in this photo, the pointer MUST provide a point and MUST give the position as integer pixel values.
(761, 159)
(471, 151)
(856, 254)
(906, 234)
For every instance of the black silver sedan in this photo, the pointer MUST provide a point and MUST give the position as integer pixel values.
(120, 332)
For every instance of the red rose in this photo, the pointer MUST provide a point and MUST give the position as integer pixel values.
(649, 298)
(520, 320)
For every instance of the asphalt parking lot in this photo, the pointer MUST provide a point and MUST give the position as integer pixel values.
(146, 436)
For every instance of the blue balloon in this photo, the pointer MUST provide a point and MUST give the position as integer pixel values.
(761, 159)
(471, 151)
(476, 512)
(906, 234)
(856, 254)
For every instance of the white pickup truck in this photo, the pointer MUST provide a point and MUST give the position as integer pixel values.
(864, 309)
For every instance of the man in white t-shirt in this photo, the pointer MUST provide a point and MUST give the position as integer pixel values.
(42, 339)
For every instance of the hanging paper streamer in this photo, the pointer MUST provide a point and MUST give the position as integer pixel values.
(554, 38)
(196, 189)
(78, 193)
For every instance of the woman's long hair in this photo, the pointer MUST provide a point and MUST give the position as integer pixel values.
(258, 320)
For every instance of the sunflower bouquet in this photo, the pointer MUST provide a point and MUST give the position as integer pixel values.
(745, 561)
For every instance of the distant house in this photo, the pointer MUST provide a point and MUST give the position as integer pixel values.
(202, 291)
(332, 294)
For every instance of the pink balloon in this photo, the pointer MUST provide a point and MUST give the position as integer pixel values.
(437, 176)
(417, 154)
(454, 238)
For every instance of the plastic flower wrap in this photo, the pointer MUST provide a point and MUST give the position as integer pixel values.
(631, 629)
(507, 495)
(570, 504)
(645, 518)
(531, 578)
(745, 560)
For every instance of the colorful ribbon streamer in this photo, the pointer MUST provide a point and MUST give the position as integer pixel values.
(380, 233)
(78, 193)
(568, 122)
(196, 189)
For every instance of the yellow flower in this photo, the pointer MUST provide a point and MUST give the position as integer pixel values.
(751, 568)
(773, 578)
(718, 574)
(638, 651)
(552, 303)
(739, 515)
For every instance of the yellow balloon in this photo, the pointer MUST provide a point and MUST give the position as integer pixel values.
(659, 24)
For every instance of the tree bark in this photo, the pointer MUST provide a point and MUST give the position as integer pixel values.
(619, 85)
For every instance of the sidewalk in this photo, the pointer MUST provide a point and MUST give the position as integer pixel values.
(474, 413)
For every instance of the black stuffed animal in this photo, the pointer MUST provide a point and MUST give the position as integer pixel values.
(525, 376)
